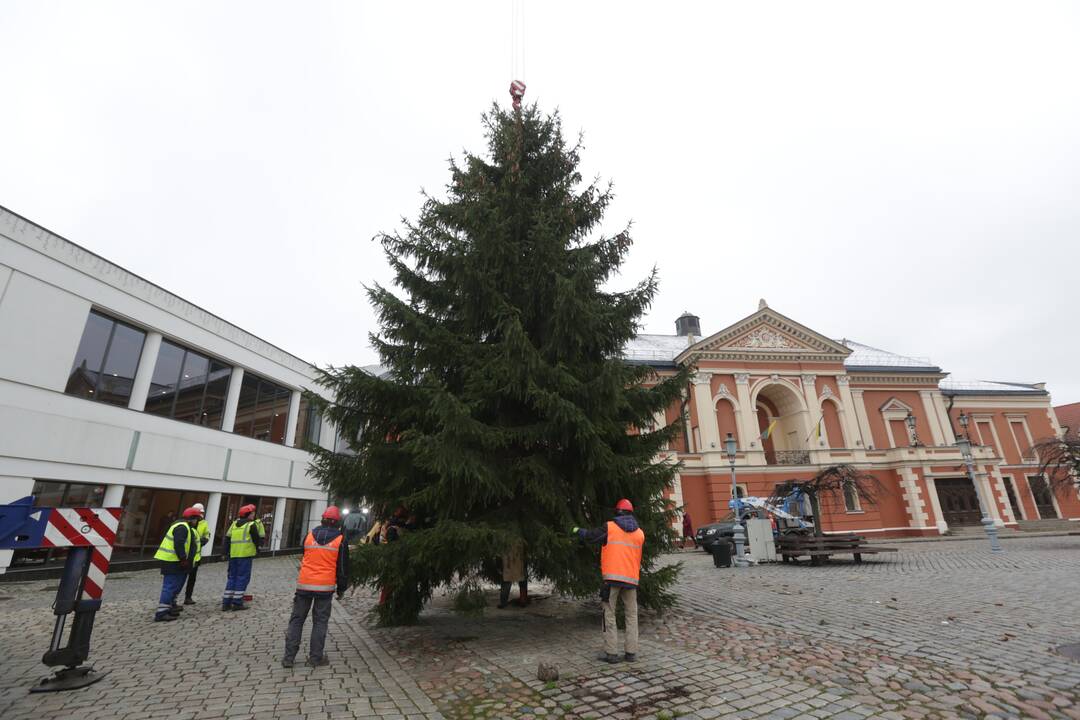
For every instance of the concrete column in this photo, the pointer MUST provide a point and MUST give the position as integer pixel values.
(294, 417)
(809, 388)
(748, 425)
(850, 416)
(932, 417)
(279, 523)
(140, 387)
(989, 497)
(114, 496)
(315, 511)
(213, 509)
(228, 419)
(935, 503)
(860, 414)
(706, 413)
(12, 489)
(947, 432)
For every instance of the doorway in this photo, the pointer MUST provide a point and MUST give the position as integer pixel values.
(959, 503)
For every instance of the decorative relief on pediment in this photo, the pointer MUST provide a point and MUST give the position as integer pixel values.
(766, 338)
(894, 405)
(723, 392)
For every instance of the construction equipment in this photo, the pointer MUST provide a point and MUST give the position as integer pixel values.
(792, 513)
(89, 535)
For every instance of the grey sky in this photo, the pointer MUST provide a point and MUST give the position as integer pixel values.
(904, 174)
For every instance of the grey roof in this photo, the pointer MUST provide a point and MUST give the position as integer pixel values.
(865, 357)
(378, 371)
(653, 349)
(950, 386)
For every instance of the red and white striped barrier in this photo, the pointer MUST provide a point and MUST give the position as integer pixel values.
(83, 527)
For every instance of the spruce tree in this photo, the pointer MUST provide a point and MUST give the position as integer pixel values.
(506, 412)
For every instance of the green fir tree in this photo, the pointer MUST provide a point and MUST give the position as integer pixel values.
(507, 413)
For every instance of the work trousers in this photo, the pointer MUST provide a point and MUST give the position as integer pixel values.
(504, 591)
(190, 587)
(320, 619)
(238, 578)
(171, 585)
(611, 632)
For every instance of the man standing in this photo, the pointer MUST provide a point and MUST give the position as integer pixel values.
(241, 542)
(176, 552)
(202, 535)
(324, 570)
(620, 565)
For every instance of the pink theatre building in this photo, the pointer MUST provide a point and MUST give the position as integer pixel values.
(796, 401)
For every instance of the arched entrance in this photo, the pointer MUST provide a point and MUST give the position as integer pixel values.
(781, 407)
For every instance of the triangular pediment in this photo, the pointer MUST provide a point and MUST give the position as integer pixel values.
(894, 405)
(770, 335)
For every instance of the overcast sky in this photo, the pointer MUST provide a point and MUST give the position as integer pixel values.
(903, 174)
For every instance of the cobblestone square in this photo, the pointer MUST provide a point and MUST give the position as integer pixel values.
(938, 630)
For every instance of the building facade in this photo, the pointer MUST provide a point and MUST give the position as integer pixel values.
(796, 401)
(115, 392)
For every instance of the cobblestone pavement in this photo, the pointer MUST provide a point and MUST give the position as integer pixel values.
(938, 630)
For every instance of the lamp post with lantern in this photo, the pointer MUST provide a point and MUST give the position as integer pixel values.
(912, 435)
(964, 443)
(737, 532)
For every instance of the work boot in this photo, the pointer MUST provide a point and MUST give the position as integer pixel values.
(318, 662)
(240, 607)
(630, 657)
(165, 617)
(226, 608)
(609, 658)
(189, 601)
(286, 662)
(175, 612)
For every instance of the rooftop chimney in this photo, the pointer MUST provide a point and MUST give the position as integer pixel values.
(688, 324)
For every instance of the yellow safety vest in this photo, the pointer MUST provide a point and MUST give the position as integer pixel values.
(167, 551)
(241, 544)
(202, 530)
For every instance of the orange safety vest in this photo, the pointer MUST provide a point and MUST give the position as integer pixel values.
(620, 558)
(318, 569)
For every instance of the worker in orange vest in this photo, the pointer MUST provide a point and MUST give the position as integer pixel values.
(324, 570)
(620, 564)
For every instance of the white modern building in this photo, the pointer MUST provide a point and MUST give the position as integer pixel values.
(113, 391)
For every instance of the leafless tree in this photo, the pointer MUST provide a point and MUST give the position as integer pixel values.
(827, 487)
(1060, 461)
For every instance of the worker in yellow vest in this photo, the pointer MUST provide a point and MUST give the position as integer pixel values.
(242, 540)
(323, 571)
(175, 554)
(202, 536)
(620, 564)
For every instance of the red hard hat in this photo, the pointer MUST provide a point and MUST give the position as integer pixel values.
(244, 510)
(192, 512)
(624, 504)
(331, 513)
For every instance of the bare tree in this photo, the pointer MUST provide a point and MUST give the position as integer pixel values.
(828, 486)
(1060, 461)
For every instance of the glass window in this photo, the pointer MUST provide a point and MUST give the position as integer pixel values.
(294, 527)
(188, 386)
(308, 425)
(83, 495)
(134, 522)
(49, 494)
(217, 388)
(105, 363)
(165, 379)
(263, 409)
(851, 498)
(245, 408)
(164, 511)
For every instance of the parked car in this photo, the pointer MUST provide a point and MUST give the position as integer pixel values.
(723, 531)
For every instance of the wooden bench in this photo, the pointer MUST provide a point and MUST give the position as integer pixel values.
(792, 547)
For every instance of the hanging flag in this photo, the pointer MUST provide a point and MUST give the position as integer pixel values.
(768, 431)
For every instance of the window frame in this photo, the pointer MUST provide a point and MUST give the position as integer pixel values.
(100, 371)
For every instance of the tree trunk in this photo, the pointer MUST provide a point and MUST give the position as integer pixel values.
(815, 507)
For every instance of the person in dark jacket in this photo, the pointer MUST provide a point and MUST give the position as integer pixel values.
(622, 541)
(323, 571)
(176, 554)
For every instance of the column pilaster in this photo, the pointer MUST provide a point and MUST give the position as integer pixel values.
(144, 373)
(232, 400)
(706, 413)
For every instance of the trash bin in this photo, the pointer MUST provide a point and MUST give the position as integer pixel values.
(721, 554)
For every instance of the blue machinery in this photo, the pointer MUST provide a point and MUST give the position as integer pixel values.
(88, 534)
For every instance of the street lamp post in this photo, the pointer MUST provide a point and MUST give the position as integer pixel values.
(738, 533)
(964, 444)
(913, 437)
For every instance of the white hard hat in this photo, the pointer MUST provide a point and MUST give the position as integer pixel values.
(199, 507)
